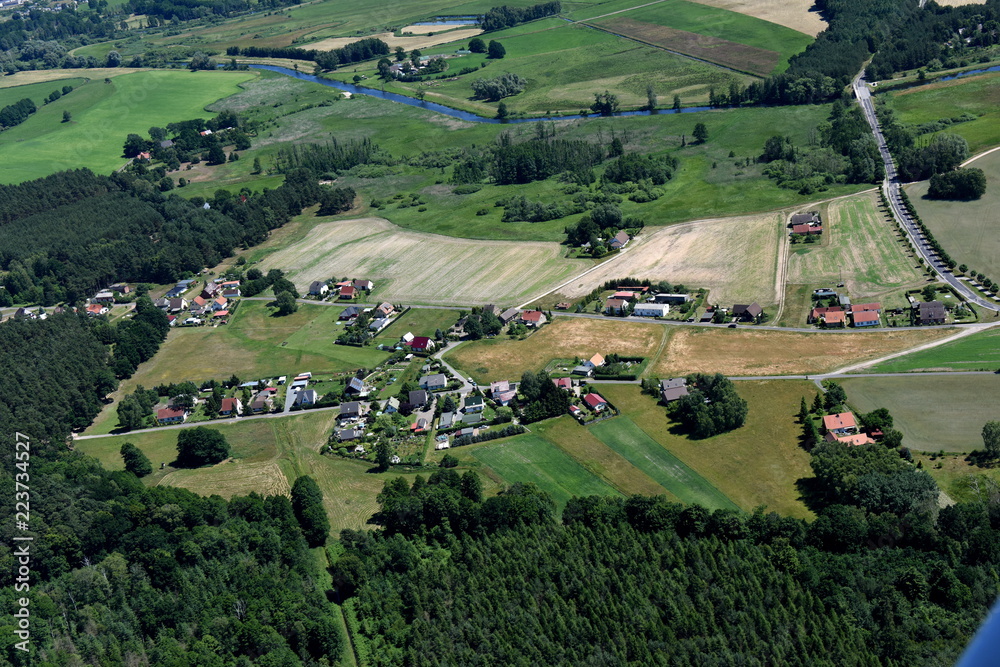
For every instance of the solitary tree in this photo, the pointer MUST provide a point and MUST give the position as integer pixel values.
(991, 438)
(216, 155)
(650, 97)
(201, 446)
(700, 133)
(135, 461)
(67, 116)
(677, 103)
(495, 50)
(476, 45)
(286, 303)
(502, 110)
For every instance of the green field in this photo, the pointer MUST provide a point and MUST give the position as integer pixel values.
(978, 352)
(707, 184)
(254, 344)
(966, 229)
(269, 454)
(861, 247)
(978, 95)
(649, 456)
(712, 22)
(103, 114)
(529, 458)
(758, 464)
(933, 412)
(36, 92)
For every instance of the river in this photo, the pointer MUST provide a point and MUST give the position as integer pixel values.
(446, 110)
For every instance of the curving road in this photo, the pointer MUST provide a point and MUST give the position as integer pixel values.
(892, 187)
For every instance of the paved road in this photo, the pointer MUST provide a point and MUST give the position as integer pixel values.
(467, 386)
(892, 187)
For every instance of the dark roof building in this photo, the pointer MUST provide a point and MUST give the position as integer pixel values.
(931, 312)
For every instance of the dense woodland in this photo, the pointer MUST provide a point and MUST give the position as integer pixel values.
(498, 18)
(61, 243)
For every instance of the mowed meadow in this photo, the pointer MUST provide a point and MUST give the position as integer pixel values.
(103, 114)
(861, 247)
(694, 255)
(414, 268)
(967, 230)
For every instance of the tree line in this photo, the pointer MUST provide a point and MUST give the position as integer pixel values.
(354, 52)
(498, 18)
(16, 113)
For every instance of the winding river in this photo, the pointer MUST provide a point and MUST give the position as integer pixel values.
(446, 110)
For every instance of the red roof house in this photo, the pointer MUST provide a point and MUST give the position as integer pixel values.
(421, 344)
(533, 318)
(170, 415)
(842, 423)
(347, 292)
(595, 402)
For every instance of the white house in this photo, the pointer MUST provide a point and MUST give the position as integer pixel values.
(651, 310)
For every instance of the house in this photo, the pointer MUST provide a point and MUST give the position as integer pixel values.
(221, 314)
(349, 434)
(563, 383)
(865, 318)
(210, 290)
(350, 313)
(620, 240)
(594, 362)
(121, 288)
(474, 404)
(407, 338)
(500, 387)
(378, 324)
(198, 303)
(615, 306)
(672, 299)
(504, 398)
(583, 370)
(508, 315)
(817, 314)
(171, 415)
(834, 318)
(144, 155)
(419, 426)
(469, 431)
(804, 219)
(807, 229)
(231, 292)
(419, 398)
(356, 386)
(575, 411)
(532, 318)
(842, 423)
(384, 310)
(306, 397)
(651, 310)
(104, 296)
(595, 402)
(365, 285)
(347, 292)
(231, 406)
(319, 288)
(422, 344)
(95, 309)
(673, 389)
(166, 143)
(747, 313)
(262, 403)
(219, 303)
(177, 305)
(350, 410)
(854, 440)
(472, 417)
(192, 321)
(391, 405)
(930, 312)
(434, 382)
(447, 420)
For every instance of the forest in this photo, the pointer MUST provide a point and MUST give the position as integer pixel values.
(59, 246)
(498, 18)
(122, 574)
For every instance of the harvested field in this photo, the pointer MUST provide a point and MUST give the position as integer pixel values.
(861, 248)
(794, 14)
(229, 479)
(731, 54)
(39, 76)
(703, 254)
(413, 42)
(565, 338)
(411, 267)
(747, 352)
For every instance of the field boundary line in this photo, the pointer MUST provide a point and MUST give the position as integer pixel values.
(620, 11)
(976, 328)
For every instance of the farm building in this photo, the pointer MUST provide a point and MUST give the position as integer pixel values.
(672, 299)
(509, 315)
(747, 312)
(651, 310)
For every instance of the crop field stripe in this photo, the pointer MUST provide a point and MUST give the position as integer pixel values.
(622, 435)
(529, 458)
